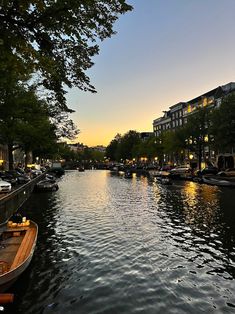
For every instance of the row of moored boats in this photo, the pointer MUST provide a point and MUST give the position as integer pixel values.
(18, 239)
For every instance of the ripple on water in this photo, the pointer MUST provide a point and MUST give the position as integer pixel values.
(111, 245)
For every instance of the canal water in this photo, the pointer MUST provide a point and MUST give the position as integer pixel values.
(108, 244)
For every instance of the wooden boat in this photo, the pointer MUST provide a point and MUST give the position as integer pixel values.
(219, 181)
(17, 245)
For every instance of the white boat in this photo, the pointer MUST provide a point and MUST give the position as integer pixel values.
(164, 180)
(17, 245)
(158, 173)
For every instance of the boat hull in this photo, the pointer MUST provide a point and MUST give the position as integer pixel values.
(7, 279)
(218, 181)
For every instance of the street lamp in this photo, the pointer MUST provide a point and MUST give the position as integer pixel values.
(191, 156)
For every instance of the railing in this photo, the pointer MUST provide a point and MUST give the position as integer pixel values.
(11, 202)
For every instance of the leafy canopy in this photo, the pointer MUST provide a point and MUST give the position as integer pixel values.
(223, 125)
(56, 38)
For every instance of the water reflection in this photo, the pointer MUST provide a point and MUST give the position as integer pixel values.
(198, 228)
(200, 205)
(110, 244)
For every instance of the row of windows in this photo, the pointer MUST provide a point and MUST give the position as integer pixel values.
(177, 123)
(177, 117)
(173, 124)
(176, 114)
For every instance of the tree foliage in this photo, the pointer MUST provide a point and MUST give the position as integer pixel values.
(150, 148)
(127, 144)
(55, 38)
(197, 128)
(24, 121)
(111, 149)
(174, 141)
(222, 126)
(29, 123)
(123, 146)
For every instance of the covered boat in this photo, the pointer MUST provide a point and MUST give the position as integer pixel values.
(46, 185)
(17, 245)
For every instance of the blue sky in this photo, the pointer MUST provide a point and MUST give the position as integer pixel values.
(165, 51)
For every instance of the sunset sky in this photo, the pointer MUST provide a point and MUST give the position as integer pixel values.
(165, 51)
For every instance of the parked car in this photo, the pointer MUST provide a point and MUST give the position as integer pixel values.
(35, 172)
(181, 170)
(5, 186)
(20, 170)
(167, 167)
(8, 178)
(43, 169)
(230, 172)
(21, 178)
(208, 170)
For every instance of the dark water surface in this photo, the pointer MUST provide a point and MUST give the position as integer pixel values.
(113, 245)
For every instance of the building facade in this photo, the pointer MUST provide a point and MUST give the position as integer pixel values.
(178, 114)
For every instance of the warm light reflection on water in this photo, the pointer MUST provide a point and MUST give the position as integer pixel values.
(200, 204)
(108, 244)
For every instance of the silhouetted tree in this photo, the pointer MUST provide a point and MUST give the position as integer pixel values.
(196, 132)
(222, 127)
(56, 39)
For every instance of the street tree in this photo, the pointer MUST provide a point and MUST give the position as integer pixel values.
(37, 135)
(23, 120)
(29, 123)
(111, 149)
(174, 144)
(196, 132)
(222, 126)
(149, 148)
(55, 39)
(126, 145)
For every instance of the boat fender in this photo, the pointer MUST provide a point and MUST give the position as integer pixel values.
(6, 298)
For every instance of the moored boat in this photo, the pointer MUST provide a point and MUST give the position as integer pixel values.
(128, 174)
(165, 178)
(219, 181)
(17, 245)
(81, 169)
(158, 173)
(46, 185)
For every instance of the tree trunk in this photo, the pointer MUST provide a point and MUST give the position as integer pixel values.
(199, 156)
(26, 159)
(10, 156)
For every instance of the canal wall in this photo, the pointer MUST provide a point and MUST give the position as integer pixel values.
(11, 202)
